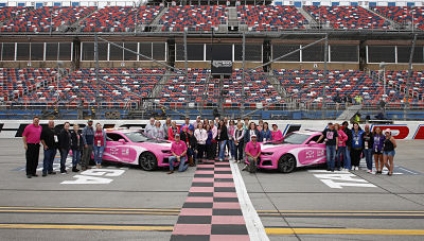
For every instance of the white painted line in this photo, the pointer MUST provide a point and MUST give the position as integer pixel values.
(253, 222)
(408, 171)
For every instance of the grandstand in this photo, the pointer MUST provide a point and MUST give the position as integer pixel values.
(139, 59)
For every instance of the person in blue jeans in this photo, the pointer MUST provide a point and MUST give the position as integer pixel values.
(50, 140)
(99, 145)
(347, 162)
(330, 137)
(179, 155)
(222, 138)
(77, 146)
(368, 140)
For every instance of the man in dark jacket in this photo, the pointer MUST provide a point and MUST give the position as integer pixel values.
(50, 141)
(77, 145)
(64, 146)
(88, 139)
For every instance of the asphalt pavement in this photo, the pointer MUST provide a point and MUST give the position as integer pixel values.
(124, 202)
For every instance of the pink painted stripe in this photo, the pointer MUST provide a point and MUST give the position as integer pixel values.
(223, 176)
(224, 194)
(222, 168)
(192, 229)
(205, 165)
(224, 184)
(201, 179)
(204, 172)
(229, 237)
(224, 205)
(199, 200)
(196, 212)
(201, 189)
(228, 220)
(222, 164)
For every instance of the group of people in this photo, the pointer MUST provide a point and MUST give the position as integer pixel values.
(91, 141)
(345, 147)
(210, 139)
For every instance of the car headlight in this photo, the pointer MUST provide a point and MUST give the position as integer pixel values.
(166, 152)
(267, 153)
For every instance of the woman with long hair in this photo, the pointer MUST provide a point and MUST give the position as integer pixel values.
(265, 133)
(357, 145)
(378, 149)
(173, 130)
(341, 146)
(389, 151)
(239, 142)
(222, 138)
(231, 129)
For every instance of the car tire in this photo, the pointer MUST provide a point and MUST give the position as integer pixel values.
(147, 161)
(287, 163)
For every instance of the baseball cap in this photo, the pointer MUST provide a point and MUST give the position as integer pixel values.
(90, 120)
(198, 117)
(253, 135)
(177, 135)
(387, 131)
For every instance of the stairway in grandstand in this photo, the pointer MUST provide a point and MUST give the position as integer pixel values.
(349, 112)
(233, 21)
(157, 90)
(393, 25)
(155, 25)
(312, 22)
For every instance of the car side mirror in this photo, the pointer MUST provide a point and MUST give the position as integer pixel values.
(312, 142)
(122, 141)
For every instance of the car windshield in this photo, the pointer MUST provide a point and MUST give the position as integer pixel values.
(137, 137)
(295, 138)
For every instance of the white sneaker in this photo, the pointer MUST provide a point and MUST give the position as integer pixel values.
(245, 168)
(369, 171)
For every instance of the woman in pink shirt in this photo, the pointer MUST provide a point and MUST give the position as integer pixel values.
(276, 134)
(341, 150)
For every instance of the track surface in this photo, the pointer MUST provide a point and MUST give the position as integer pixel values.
(122, 202)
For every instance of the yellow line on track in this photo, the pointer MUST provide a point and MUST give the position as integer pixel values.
(269, 231)
(87, 227)
(341, 231)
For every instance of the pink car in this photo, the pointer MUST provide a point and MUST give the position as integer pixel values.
(132, 147)
(299, 149)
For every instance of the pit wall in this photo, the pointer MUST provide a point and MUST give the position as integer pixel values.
(403, 130)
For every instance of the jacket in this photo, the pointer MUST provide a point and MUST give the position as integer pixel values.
(76, 143)
(65, 140)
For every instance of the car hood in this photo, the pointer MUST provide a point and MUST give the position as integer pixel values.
(277, 147)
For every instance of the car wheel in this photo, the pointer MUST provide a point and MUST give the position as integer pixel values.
(287, 163)
(148, 161)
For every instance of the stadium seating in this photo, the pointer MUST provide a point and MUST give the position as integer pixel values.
(46, 19)
(119, 19)
(118, 87)
(12, 12)
(194, 18)
(270, 18)
(404, 15)
(347, 17)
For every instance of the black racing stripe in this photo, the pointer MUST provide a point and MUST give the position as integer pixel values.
(228, 229)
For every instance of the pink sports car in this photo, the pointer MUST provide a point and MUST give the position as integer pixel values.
(299, 149)
(132, 147)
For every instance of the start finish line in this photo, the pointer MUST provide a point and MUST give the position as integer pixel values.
(340, 179)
